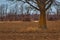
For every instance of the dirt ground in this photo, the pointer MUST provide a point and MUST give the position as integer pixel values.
(29, 31)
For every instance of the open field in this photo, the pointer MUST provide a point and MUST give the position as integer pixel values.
(28, 26)
(29, 31)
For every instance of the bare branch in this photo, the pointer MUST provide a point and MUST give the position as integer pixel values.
(39, 4)
(31, 5)
(49, 5)
(47, 2)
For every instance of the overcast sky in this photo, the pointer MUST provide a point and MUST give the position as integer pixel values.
(4, 1)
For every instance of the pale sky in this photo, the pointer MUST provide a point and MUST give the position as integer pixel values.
(4, 1)
(58, 0)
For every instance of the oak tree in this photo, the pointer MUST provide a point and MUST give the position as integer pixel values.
(43, 6)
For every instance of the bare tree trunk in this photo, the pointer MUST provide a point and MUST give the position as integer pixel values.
(42, 21)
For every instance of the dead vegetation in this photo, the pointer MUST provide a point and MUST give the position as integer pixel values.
(28, 26)
(18, 30)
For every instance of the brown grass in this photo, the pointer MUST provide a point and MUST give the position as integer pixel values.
(28, 31)
(18, 26)
(28, 26)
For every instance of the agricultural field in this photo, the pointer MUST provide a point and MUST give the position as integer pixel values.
(18, 30)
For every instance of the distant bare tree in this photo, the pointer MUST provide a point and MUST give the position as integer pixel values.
(2, 11)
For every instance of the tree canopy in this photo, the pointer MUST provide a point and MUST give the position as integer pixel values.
(40, 3)
(42, 6)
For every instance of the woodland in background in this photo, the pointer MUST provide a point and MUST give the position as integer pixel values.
(27, 17)
(13, 16)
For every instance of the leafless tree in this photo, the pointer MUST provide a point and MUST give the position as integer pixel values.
(2, 11)
(43, 6)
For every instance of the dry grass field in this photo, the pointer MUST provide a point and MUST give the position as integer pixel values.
(29, 31)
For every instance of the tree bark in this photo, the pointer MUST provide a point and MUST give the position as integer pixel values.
(42, 21)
